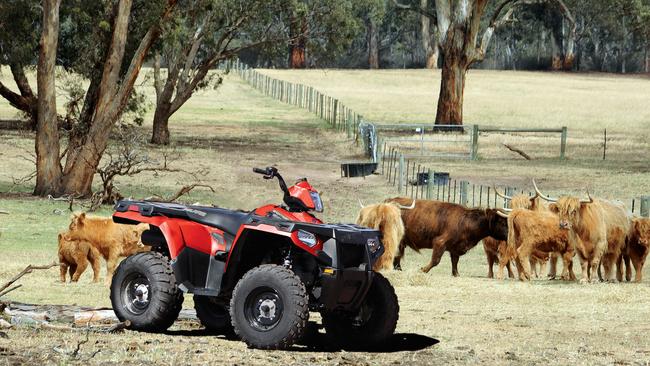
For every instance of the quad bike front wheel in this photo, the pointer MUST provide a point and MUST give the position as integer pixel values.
(269, 307)
(372, 325)
(144, 292)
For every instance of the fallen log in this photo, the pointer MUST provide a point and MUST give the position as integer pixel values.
(518, 151)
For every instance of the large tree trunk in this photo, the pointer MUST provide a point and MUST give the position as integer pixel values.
(298, 44)
(452, 87)
(373, 44)
(160, 135)
(429, 42)
(48, 165)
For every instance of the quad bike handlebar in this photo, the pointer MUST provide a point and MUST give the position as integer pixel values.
(294, 203)
(269, 173)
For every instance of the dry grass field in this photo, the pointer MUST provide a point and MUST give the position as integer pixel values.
(443, 320)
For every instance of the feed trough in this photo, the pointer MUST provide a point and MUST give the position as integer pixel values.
(357, 169)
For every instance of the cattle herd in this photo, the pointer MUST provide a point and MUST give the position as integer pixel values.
(533, 232)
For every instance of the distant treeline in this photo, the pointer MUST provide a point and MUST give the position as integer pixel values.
(598, 35)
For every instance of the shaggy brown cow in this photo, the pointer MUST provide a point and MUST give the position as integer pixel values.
(536, 233)
(112, 240)
(537, 258)
(597, 229)
(444, 226)
(495, 250)
(75, 256)
(385, 217)
(637, 248)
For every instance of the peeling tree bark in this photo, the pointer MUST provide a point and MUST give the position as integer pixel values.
(48, 166)
(108, 96)
(429, 41)
(373, 44)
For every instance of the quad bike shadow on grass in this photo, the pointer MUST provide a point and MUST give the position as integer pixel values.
(315, 341)
(256, 274)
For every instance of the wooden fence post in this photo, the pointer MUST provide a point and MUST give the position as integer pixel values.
(474, 151)
(563, 143)
(644, 207)
(429, 184)
(336, 105)
(401, 167)
(463, 192)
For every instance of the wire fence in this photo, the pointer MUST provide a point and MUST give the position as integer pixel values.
(392, 146)
(416, 180)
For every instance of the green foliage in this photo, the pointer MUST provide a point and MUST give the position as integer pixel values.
(20, 23)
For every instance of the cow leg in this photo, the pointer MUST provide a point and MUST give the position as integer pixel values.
(398, 258)
(111, 263)
(619, 268)
(96, 265)
(607, 263)
(82, 264)
(533, 267)
(595, 267)
(504, 262)
(638, 268)
(542, 267)
(438, 249)
(510, 273)
(454, 264)
(552, 271)
(491, 258)
(584, 264)
(72, 269)
(567, 267)
(628, 269)
(63, 268)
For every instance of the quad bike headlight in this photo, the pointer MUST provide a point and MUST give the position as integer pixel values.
(307, 238)
(318, 203)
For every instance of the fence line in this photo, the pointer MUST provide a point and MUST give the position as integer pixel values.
(420, 182)
(395, 165)
(336, 114)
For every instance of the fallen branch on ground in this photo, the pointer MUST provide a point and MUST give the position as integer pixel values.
(187, 189)
(2, 293)
(518, 151)
(25, 271)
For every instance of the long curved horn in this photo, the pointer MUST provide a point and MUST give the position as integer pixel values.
(502, 214)
(412, 206)
(361, 203)
(590, 200)
(547, 198)
(4, 212)
(506, 209)
(501, 195)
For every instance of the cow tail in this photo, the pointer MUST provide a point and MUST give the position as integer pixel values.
(511, 251)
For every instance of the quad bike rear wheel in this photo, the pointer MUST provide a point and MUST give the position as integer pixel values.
(213, 315)
(369, 327)
(144, 292)
(269, 307)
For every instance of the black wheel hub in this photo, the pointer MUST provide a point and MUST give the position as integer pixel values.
(136, 293)
(263, 308)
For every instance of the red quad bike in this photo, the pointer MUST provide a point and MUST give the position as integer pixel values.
(258, 272)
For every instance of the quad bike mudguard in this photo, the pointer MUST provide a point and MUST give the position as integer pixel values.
(206, 246)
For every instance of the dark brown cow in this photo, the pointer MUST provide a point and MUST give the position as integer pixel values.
(444, 226)
(637, 248)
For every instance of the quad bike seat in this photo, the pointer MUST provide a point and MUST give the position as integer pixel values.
(226, 220)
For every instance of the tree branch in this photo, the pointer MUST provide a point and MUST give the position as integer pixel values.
(25, 271)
